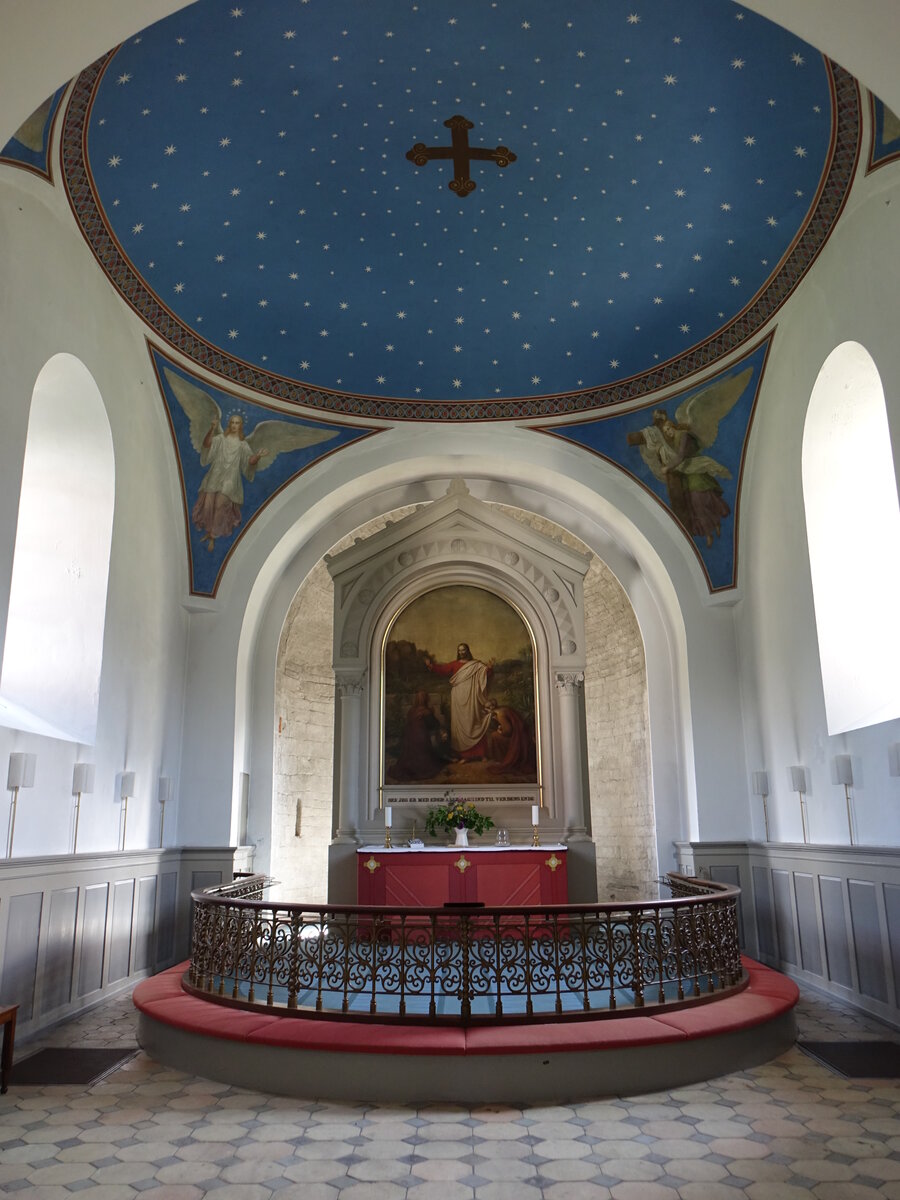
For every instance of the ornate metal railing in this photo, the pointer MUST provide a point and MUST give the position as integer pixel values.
(465, 965)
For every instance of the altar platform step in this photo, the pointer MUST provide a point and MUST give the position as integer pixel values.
(339, 1058)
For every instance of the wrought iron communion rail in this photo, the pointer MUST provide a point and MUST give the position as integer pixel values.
(465, 965)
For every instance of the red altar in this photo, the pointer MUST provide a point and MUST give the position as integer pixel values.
(435, 875)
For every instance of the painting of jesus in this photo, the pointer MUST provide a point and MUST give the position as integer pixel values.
(459, 691)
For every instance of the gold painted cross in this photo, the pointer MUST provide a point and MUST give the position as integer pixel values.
(461, 153)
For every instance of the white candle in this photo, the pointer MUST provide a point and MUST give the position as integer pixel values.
(535, 814)
(387, 816)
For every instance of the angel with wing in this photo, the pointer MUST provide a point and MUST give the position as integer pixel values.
(229, 455)
(672, 450)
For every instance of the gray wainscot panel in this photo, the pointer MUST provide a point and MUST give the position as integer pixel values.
(165, 936)
(837, 949)
(203, 879)
(145, 932)
(829, 915)
(120, 945)
(93, 938)
(784, 916)
(77, 927)
(765, 919)
(867, 938)
(892, 910)
(59, 952)
(20, 954)
(805, 893)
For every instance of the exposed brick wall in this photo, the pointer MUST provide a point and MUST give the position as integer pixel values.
(304, 750)
(618, 735)
(618, 727)
(615, 697)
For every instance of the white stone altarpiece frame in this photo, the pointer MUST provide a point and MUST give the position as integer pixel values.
(459, 540)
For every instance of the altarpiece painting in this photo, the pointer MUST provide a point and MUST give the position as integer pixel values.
(459, 697)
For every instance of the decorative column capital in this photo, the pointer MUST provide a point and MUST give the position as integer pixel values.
(351, 687)
(567, 682)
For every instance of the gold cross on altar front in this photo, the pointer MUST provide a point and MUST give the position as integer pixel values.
(461, 153)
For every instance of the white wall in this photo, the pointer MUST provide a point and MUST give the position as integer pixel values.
(55, 299)
(851, 294)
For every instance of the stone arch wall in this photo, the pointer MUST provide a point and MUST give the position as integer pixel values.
(304, 747)
(617, 721)
(618, 728)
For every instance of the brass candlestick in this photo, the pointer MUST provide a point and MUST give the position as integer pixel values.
(535, 840)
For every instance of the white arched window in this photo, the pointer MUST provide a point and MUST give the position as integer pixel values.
(853, 529)
(50, 679)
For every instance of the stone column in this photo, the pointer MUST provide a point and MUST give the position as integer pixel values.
(582, 854)
(568, 685)
(350, 692)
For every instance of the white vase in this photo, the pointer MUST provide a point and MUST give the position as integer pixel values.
(462, 836)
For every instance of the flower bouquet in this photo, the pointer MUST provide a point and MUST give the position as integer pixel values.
(458, 817)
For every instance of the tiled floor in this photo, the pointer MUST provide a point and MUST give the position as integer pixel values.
(784, 1131)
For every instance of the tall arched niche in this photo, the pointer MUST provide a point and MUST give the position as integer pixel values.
(616, 760)
(853, 533)
(53, 651)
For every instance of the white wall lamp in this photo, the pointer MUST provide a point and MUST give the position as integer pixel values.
(163, 795)
(82, 785)
(761, 788)
(798, 785)
(20, 775)
(126, 789)
(843, 767)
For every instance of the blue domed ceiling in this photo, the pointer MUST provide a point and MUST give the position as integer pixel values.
(244, 173)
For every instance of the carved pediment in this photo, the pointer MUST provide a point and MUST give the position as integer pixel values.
(461, 533)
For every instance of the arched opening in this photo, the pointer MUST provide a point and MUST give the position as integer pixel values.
(623, 819)
(853, 534)
(50, 681)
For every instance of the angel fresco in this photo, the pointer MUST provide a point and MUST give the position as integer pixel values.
(231, 455)
(672, 451)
